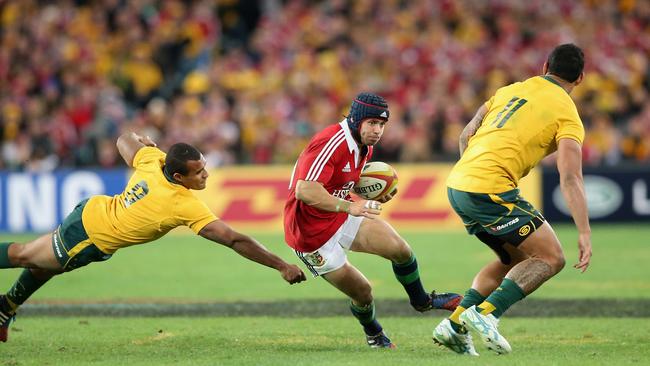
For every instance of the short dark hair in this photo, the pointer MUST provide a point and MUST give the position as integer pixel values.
(566, 61)
(177, 157)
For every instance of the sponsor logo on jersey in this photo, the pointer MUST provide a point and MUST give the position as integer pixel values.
(346, 168)
(524, 230)
(344, 191)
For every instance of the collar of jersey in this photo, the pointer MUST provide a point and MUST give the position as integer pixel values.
(352, 145)
(553, 81)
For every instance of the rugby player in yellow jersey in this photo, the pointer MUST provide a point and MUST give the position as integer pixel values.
(156, 199)
(521, 124)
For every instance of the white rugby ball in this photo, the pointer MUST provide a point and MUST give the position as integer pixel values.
(377, 179)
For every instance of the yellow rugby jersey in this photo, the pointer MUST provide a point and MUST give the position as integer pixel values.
(149, 207)
(524, 123)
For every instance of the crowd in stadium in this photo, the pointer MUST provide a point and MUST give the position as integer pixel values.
(250, 82)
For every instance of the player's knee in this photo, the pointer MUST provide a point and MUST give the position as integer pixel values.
(557, 262)
(401, 252)
(19, 256)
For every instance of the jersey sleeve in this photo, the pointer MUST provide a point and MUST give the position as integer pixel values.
(195, 214)
(570, 126)
(318, 160)
(146, 155)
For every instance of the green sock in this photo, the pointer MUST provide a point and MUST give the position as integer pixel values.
(366, 317)
(4, 255)
(472, 297)
(503, 297)
(24, 287)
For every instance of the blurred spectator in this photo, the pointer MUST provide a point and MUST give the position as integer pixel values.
(250, 81)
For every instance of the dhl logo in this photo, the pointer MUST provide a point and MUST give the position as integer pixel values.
(254, 197)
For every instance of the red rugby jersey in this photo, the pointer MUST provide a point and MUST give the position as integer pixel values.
(332, 158)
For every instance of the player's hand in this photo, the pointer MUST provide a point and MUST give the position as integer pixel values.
(365, 208)
(293, 274)
(584, 252)
(147, 141)
(388, 196)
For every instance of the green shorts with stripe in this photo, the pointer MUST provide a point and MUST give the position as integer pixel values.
(497, 214)
(72, 247)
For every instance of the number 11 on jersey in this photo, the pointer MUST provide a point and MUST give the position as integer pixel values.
(520, 102)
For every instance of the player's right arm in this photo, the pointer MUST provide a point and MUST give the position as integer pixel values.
(471, 128)
(569, 165)
(314, 194)
(220, 232)
(129, 143)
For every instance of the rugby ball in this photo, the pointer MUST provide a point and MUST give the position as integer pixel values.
(376, 180)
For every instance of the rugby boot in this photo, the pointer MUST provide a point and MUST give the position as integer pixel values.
(445, 335)
(6, 317)
(379, 340)
(486, 327)
(444, 300)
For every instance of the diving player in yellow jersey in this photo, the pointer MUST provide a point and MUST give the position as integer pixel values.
(521, 124)
(156, 199)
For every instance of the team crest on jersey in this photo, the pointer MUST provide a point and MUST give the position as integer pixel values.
(315, 259)
(524, 230)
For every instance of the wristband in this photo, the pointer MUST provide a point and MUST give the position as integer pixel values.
(339, 204)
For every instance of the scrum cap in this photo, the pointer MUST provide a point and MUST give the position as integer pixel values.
(366, 105)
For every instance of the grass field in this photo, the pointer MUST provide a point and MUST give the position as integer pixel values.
(181, 269)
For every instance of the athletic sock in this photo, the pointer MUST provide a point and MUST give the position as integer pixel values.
(472, 297)
(501, 299)
(409, 276)
(366, 317)
(24, 287)
(4, 255)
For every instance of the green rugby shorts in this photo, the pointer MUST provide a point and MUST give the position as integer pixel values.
(72, 247)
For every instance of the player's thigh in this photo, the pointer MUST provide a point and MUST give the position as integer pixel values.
(543, 243)
(376, 236)
(349, 280)
(37, 253)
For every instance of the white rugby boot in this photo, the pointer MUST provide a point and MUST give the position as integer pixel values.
(445, 335)
(486, 327)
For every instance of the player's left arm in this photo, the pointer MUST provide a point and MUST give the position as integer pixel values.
(220, 232)
(471, 128)
(129, 143)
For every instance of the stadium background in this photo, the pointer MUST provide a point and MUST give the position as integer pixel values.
(249, 82)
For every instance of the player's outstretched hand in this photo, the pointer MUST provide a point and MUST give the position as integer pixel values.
(366, 208)
(147, 141)
(584, 252)
(293, 274)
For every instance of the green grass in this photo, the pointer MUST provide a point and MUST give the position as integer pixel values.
(182, 268)
(322, 341)
(191, 269)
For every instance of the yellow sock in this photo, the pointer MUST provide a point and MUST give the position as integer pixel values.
(454, 317)
(485, 308)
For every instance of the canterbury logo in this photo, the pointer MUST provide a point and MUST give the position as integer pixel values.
(524, 230)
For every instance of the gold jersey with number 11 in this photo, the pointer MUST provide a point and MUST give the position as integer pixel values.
(524, 123)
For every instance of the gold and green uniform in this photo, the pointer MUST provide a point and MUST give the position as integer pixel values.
(523, 124)
(149, 207)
